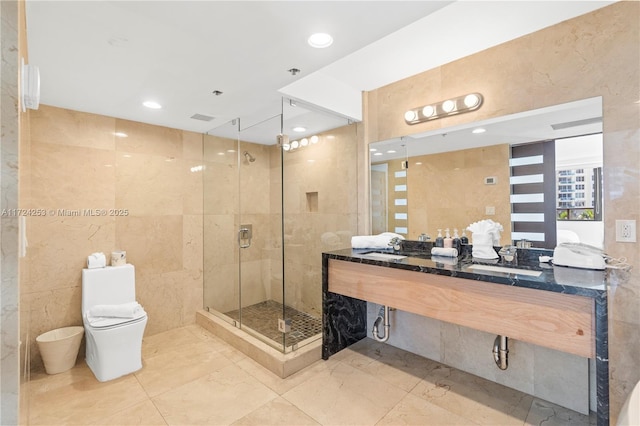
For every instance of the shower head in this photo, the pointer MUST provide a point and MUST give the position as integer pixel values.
(249, 157)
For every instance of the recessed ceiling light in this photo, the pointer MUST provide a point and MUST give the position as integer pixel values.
(391, 151)
(320, 40)
(120, 134)
(478, 130)
(378, 153)
(152, 104)
(372, 149)
(299, 129)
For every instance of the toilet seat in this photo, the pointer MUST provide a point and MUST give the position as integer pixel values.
(108, 322)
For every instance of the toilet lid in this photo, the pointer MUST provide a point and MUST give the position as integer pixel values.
(104, 322)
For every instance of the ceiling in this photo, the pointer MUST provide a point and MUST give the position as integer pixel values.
(107, 57)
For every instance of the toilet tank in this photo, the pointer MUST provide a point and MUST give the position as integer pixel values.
(111, 285)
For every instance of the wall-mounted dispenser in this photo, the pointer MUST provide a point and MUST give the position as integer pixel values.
(30, 86)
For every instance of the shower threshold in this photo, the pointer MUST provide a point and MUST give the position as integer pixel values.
(282, 364)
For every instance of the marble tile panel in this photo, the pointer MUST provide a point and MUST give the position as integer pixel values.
(59, 246)
(149, 184)
(162, 296)
(179, 366)
(85, 401)
(149, 139)
(414, 333)
(221, 188)
(68, 178)
(192, 188)
(477, 399)
(192, 145)
(276, 412)
(153, 243)
(221, 287)
(141, 414)
(624, 357)
(49, 310)
(562, 378)
(471, 350)
(342, 395)
(52, 125)
(192, 244)
(220, 150)
(412, 410)
(220, 235)
(222, 397)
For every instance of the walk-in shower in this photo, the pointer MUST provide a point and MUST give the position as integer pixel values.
(267, 222)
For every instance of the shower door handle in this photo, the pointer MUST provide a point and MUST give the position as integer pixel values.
(244, 236)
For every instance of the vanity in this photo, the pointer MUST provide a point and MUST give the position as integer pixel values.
(552, 306)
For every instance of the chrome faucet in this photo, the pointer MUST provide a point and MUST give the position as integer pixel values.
(395, 243)
(424, 237)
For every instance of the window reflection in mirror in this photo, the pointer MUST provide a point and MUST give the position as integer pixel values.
(455, 177)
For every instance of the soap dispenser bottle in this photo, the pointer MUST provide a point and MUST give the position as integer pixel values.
(456, 240)
(439, 239)
(464, 239)
(448, 242)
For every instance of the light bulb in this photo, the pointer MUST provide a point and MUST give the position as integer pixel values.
(314, 139)
(428, 111)
(471, 100)
(304, 142)
(410, 115)
(448, 106)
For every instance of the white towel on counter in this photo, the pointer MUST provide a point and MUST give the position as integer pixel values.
(96, 260)
(123, 310)
(373, 241)
(445, 252)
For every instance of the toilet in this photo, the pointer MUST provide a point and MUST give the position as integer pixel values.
(114, 341)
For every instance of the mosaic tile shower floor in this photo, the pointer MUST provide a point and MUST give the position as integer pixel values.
(263, 318)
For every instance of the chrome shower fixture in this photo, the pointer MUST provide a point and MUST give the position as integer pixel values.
(250, 158)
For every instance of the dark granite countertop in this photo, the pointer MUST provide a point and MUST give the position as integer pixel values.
(559, 279)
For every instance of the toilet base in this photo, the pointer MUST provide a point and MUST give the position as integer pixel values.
(114, 352)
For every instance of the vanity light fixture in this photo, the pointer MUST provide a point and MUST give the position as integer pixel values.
(314, 139)
(304, 142)
(295, 145)
(452, 106)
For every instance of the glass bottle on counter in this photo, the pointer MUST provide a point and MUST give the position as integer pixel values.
(439, 239)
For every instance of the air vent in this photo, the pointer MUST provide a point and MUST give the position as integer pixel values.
(577, 123)
(202, 117)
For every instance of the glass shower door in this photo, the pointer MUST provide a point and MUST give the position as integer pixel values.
(259, 227)
(220, 209)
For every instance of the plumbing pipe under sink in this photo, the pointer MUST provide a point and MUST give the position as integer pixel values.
(383, 317)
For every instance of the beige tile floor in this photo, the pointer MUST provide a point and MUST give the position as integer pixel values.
(190, 377)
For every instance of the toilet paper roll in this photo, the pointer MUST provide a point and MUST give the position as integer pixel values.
(118, 258)
(96, 260)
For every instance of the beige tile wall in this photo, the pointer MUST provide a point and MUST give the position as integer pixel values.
(74, 162)
(595, 54)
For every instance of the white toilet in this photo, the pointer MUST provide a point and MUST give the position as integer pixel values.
(114, 343)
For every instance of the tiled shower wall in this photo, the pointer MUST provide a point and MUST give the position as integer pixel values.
(592, 55)
(153, 204)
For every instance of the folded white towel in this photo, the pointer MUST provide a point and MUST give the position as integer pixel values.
(445, 252)
(374, 241)
(123, 310)
(96, 260)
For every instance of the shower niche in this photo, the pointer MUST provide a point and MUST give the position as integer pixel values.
(267, 281)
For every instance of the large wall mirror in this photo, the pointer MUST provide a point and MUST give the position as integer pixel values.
(537, 173)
